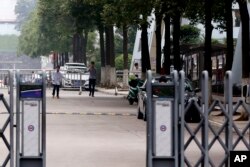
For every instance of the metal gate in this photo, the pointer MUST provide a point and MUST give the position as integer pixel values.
(6, 120)
(205, 131)
(206, 137)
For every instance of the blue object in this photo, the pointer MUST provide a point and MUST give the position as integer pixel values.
(36, 93)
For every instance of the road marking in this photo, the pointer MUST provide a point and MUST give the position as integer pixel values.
(91, 113)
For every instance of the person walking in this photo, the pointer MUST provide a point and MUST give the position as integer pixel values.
(56, 82)
(92, 79)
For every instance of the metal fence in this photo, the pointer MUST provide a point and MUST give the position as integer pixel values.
(198, 143)
(206, 138)
(6, 122)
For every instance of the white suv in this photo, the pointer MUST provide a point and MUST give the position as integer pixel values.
(75, 75)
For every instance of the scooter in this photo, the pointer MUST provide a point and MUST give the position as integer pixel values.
(134, 85)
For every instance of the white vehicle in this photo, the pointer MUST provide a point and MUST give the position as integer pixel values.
(74, 75)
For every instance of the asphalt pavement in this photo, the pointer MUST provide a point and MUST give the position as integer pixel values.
(100, 131)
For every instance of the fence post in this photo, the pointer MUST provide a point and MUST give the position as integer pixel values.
(228, 87)
(205, 101)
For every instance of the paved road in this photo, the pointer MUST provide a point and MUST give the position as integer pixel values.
(95, 132)
(101, 132)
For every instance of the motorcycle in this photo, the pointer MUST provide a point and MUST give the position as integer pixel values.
(134, 85)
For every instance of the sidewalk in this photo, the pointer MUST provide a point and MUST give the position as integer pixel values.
(113, 91)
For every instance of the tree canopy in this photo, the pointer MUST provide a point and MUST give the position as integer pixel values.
(52, 25)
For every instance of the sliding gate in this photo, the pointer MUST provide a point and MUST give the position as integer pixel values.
(204, 142)
(6, 120)
(26, 146)
(217, 134)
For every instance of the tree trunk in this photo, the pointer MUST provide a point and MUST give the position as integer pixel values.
(78, 48)
(85, 42)
(208, 44)
(110, 58)
(55, 59)
(102, 54)
(66, 57)
(245, 37)
(158, 42)
(62, 59)
(145, 58)
(125, 56)
(167, 45)
(229, 27)
(208, 35)
(176, 41)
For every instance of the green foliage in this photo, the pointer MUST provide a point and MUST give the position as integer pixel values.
(29, 38)
(23, 9)
(8, 43)
(82, 13)
(47, 29)
(119, 40)
(189, 34)
(195, 12)
(216, 41)
(93, 52)
(119, 61)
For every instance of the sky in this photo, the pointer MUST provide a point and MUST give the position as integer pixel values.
(7, 9)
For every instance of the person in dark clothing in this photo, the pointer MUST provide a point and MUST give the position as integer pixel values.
(92, 79)
(56, 81)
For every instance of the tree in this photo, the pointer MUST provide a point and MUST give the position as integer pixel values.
(158, 20)
(206, 12)
(145, 10)
(81, 12)
(119, 64)
(189, 34)
(229, 29)
(245, 37)
(23, 9)
(29, 39)
(118, 13)
(208, 36)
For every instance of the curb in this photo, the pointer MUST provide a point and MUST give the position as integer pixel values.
(111, 91)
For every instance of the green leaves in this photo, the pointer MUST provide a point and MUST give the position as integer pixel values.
(189, 34)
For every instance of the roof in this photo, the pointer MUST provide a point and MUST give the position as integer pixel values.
(190, 49)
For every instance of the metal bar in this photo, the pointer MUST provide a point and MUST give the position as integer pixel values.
(229, 110)
(182, 116)
(205, 95)
(176, 118)
(149, 119)
(6, 160)
(44, 121)
(80, 91)
(17, 119)
(11, 102)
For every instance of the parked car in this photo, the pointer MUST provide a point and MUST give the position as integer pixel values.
(74, 75)
(86, 85)
(192, 115)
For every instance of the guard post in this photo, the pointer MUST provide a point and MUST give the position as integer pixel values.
(162, 122)
(31, 120)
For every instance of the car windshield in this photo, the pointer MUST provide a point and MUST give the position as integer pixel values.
(75, 67)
